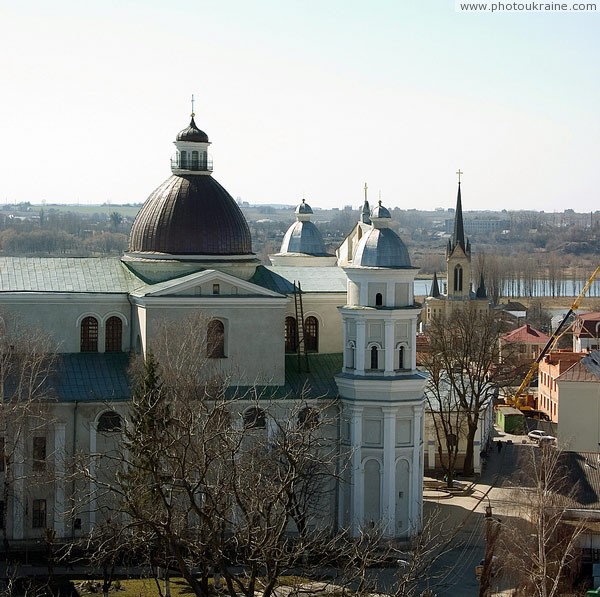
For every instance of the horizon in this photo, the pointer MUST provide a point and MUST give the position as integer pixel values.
(302, 100)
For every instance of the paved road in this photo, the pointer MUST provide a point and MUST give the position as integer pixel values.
(464, 519)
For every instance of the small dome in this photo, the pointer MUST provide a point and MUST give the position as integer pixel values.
(304, 208)
(380, 212)
(192, 133)
(190, 215)
(303, 237)
(381, 247)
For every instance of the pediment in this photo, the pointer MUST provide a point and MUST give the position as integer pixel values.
(207, 283)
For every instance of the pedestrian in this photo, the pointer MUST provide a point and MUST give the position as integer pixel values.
(499, 446)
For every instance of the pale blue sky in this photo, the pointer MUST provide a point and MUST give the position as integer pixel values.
(302, 98)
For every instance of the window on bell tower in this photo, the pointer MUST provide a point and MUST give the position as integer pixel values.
(458, 278)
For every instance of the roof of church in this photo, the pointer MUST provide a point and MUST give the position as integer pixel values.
(381, 247)
(312, 279)
(92, 377)
(99, 377)
(192, 133)
(191, 215)
(318, 382)
(66, 274)
(303, 237)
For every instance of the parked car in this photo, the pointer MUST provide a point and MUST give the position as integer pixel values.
(547, 440)
(535, 435)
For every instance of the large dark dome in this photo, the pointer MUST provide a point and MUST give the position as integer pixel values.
(191, 215)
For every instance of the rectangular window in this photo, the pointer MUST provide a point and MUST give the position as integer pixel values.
(39, 453)
(216, 289)
(38, 514)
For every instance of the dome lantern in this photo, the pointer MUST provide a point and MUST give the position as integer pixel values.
(192, 155)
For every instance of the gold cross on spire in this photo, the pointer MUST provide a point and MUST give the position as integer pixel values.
(193, 106)
(366, 191)
(459, 173)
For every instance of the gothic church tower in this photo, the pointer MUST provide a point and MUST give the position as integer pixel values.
(459, 275)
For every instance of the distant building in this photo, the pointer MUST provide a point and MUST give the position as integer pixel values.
(525, 343)
(551, 367)
(579, 404)
(480, 226)
(586, 332)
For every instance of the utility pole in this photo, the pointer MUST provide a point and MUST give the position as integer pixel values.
(491, 535)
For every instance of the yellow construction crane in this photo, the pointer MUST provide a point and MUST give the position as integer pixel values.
(552, 341)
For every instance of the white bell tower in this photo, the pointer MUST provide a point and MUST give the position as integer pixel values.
(382, 392)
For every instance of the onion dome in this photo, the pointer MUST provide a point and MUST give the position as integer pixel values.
(192, 133)
(191, 215)
(304, 208)
(380, 212)
(381, 246)
(303, 236)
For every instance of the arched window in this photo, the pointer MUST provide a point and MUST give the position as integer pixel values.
(194, 160)
(255, 418)
(113, 334)
(109, 421)
(458, 278)
(379, 299)
(311, 334)
(401, 357)
(291, 335)
(215, 339)
(183, 159)
(374, 357)
(89, 334)
(308, 418)
(350, 355)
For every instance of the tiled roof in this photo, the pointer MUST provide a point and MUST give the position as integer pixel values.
(92, 377)
(313, 279)
(65, 274)
(587, 369)
(526, 334)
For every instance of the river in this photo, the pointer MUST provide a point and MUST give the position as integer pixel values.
(519, 288)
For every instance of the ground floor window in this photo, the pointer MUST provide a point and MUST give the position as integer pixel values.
(38, 514)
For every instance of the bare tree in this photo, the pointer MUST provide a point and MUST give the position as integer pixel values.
(213, 479)
(465, 347)
(538, 548)
(27, 358)
(449, 420)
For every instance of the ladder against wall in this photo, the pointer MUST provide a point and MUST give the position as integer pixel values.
(300, 343)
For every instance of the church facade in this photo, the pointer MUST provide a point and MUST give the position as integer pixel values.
(352, 316)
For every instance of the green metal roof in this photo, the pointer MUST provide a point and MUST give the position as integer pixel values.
(66, 274)
(312, 279)
(316, 381)
(92, 377)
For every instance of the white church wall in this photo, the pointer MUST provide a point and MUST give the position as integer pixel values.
(254, 343)
(60, 315)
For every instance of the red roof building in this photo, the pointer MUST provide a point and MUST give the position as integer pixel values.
(526, 343)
